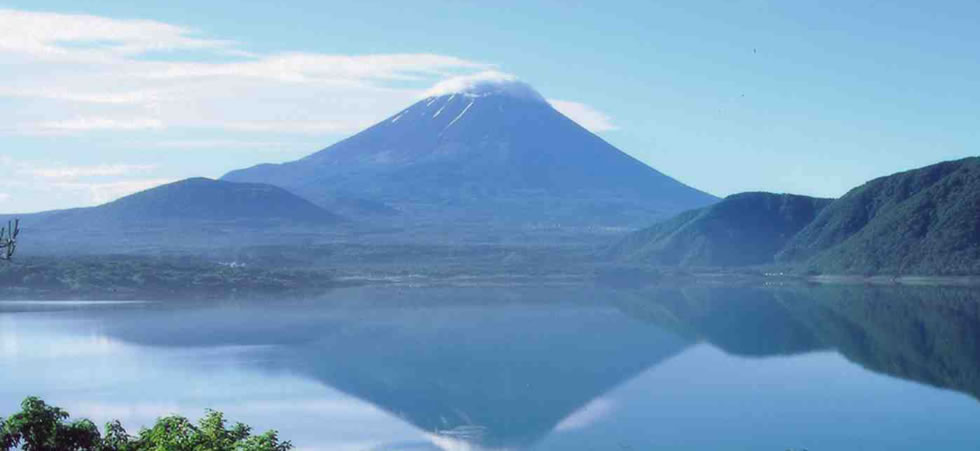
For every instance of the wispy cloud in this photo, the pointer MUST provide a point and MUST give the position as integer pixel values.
(58, 93)
(86, 38)
(99, 123)
(338, 70)
(467, 82)
(102, 192)
(74, 186)
(586, 116)
(73, 172)
(194, 144)
(81, 73)
(299, 126)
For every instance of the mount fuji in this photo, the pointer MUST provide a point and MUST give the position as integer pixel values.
(484, 148)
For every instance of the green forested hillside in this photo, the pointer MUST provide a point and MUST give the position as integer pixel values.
(924, 221)
(743, 229)
(920, 222)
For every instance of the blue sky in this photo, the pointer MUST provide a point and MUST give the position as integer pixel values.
(101, 98)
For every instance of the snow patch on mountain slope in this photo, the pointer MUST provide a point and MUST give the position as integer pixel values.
(461, 113)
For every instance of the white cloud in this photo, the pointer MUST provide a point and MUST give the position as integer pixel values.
(484, 82)
(586, 116)
(79, 37)
(271, 146)
(74, 73)
(102, 192)
(99, 123)
(56, 93)
(341, 70)
(499, 82)
(73, 172)
(72, 186)
(4, 197)
(299, 126)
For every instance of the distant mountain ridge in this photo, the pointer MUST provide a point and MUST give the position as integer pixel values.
(495, 150)
(202, 199)
(195, 213)
(920, 222)
(207, 199)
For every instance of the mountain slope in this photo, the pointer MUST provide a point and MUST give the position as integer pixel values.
(202, 199)
(743, 229)
(494, 150)
(193, 213)
(924, 221)
(193, 200)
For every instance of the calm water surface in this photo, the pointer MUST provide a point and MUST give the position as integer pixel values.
(581, 367)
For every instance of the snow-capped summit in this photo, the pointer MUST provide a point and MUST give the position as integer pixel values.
(485, 147)
(485, 84)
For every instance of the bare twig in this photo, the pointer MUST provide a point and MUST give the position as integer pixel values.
(8, 239)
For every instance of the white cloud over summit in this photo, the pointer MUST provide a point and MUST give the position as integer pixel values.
(464, 83)
(483, 83)
(498, 82)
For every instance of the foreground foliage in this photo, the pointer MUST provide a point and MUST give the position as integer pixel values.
(40, 427)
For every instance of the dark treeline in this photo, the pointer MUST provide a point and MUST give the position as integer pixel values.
(41, 427)
(146, 277)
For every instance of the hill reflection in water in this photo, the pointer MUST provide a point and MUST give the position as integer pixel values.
(508, 367)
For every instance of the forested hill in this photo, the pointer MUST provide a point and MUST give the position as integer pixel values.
(924, 221)
(920, 222)
(743, 229)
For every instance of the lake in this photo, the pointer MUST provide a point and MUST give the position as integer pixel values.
(549, 367)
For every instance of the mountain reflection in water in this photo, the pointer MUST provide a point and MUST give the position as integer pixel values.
(507, 367)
